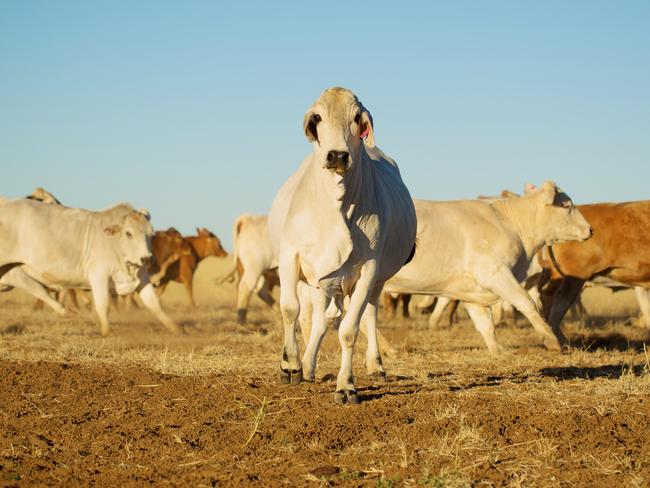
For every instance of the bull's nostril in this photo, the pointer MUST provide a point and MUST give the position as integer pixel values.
(330, 156)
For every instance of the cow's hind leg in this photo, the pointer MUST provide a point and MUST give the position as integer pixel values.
(290, 366)
(482, 318)
(563, 298)
(643, 297)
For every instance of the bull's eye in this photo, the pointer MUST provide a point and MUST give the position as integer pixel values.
(357, 118)
(316, 118)
(128, 234)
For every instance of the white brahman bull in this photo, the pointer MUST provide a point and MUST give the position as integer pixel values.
(344, 222)
(479, 251)
(61, 247)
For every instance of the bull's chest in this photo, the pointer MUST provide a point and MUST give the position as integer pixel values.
(124, 283)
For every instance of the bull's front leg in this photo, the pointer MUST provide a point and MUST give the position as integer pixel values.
(318, 300)
(502, 282)
(150, 300)
(290, 366)
(99, 287)
(348, 331)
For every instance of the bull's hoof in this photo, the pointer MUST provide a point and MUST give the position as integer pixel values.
(296, 377)
(379, 376)
(349, 396)
(241, 316)
(552, 344)
(292, 376)
(285, 377)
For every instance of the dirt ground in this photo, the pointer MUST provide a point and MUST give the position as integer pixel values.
(207, 409)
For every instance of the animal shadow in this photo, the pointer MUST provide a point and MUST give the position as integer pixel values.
(610, 342)
(609, 371)
(13, 329)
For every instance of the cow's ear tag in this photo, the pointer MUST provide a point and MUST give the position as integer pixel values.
(364, 134)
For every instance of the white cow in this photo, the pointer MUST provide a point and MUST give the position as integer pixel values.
(60, 247)
(479, 252)
(344, 222)
(253, 260)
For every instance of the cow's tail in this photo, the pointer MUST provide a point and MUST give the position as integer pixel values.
(236, 228)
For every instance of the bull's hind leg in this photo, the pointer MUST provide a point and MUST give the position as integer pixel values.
(504, 284)
(374, 364)
(290, 366)
(482, 318)
(17, 278)
(245, 288)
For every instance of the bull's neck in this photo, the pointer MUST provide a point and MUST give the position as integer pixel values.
(347, 191)
(522, 215)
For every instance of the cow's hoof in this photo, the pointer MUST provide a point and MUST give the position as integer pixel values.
(378, 376)
(349, 396)
(291, 376)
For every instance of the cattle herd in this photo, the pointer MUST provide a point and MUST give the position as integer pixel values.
(341, 230)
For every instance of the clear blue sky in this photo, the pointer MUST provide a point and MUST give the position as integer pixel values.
(194, 109)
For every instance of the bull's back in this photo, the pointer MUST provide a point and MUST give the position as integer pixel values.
(45, 237)
(619, 247)
(451, 236)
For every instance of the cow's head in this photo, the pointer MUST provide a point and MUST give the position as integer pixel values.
(338, 125)
(133, 236)
(557, 218)
(211, 245)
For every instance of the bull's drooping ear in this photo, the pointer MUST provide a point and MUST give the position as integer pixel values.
(548, 190)
(367, 131)
(309, 125)
(112, 230)
(145, 213)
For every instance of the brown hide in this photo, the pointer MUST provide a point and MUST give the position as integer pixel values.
(190, 251)
(619, 248)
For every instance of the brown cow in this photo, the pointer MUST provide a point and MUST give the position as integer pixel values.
(181, 256)
(618, 252)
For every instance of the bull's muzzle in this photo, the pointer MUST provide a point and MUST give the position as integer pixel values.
(338, 161)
